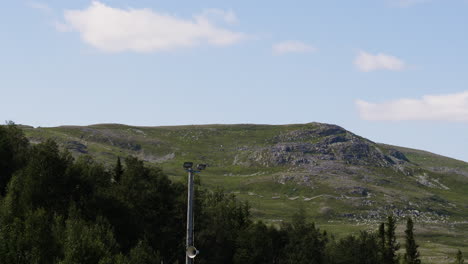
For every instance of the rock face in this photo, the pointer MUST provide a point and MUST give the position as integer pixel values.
(325, 143)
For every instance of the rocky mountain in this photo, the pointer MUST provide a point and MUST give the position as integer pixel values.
(340, 178)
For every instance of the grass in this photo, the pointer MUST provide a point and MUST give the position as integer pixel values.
(428, 159)
(228, 150)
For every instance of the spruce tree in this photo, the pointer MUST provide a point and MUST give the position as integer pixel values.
(382, 244)
(118, 170)
(412, 254)
(459, 258)
(392, 245)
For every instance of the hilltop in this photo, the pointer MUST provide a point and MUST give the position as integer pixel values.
(340, 178)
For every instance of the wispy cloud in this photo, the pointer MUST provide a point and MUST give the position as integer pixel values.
(292, 46)
(40, 6)
(449, 107)
(367, 62)
(144, 30)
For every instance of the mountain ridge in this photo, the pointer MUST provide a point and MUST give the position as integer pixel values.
(296, 153)
(342, 180)
(233, 124)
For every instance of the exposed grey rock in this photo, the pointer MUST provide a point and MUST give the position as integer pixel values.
(397, 154)
(76, 146)
(308, 147)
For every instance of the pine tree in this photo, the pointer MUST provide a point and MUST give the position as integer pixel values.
(118, 170)
(459, 258)
(391, 244)
(382, 243)
(412, 254)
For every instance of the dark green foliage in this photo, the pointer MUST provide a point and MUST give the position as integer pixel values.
(459, 258)
(306, 244)
(13, 153)
(152, 206)
(142, 253)
(45, 182)
(391, 244)
(118, 170)
(29, 239)
(88, 243)
(412, 254)
(382, 243)
(220, 219)
(259, 244)
(356, 250)
(56, 210)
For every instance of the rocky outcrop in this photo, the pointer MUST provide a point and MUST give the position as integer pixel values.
(76, 146)
(398, 155)
(325, 142)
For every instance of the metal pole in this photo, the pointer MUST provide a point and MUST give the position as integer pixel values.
(189, 215)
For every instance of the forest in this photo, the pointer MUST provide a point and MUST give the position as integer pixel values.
(55, 208)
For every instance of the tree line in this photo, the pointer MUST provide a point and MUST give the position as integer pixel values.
(60, 210)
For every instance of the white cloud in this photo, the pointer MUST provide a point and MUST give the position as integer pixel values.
(144, 30)
(367, 62)
(450, 107)
(40, 6)
(292, 46)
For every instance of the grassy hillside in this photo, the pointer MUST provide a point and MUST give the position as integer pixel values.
(345, 182)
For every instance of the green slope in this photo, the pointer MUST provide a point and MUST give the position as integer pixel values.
(344, 181)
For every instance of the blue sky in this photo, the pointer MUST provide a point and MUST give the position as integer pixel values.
(394, 71)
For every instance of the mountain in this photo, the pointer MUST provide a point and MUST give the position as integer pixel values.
(344, 181)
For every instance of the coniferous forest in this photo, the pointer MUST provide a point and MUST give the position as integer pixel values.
(57, 209)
